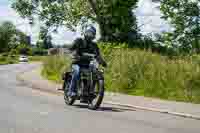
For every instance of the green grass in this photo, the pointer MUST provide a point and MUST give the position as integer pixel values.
(2, 60)
(36, 58)
(137, 72)
(54, 66)
(8, 60)
(12, 60)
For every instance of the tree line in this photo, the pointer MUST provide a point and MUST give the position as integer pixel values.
(10, 37)
(13, 41)
(118, 23)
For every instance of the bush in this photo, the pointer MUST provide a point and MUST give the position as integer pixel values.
(23, 49)
(39, 51)
(8, 60)
(5, 54)
(2, 60)
(14, 52)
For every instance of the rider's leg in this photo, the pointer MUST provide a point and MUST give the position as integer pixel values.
(75, 78)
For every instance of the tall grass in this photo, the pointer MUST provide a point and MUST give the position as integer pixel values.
(54, 66)
(137, 72)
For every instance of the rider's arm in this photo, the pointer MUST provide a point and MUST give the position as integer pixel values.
(75, 44)
(100, 58)
(74, 49)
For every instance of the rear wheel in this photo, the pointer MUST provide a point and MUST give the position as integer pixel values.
(98, 95)
(68, 100)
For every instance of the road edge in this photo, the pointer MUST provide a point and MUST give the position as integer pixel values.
(155, 110)
(21, 77)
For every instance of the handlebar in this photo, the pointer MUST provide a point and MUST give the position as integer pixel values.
(89, 55)
(85, 56)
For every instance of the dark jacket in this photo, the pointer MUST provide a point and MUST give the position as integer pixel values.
(81, 46)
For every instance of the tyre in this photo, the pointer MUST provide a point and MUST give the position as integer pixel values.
(68, 100)
(99, 94)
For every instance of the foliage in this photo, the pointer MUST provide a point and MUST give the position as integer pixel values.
(115, 17)
(13, 52)
(8, 59)
(45, 38)
(23, 50)
(138, 72)
(6, 33)
(184, 15)
(10, 37)
(54, 66)
(39, 51)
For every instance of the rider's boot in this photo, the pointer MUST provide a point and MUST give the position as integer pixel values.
(71, 94)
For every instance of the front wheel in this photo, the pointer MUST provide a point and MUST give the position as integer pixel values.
(99, 94)
(68, 100)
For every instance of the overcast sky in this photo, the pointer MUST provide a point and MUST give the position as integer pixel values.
(147, 14)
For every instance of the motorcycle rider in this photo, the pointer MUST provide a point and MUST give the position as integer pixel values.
(80, 46)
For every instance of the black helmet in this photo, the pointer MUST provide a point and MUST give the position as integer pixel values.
(90, 33)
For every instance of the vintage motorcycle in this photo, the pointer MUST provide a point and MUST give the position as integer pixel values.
(90, 86)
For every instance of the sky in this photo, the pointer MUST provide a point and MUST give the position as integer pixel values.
(146, 13)
(149, 14)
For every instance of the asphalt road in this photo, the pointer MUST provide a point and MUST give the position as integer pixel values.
(24, 110)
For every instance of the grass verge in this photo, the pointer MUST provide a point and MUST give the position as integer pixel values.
(36, 58)
(54, 66)
(143, 73)
(8, 60)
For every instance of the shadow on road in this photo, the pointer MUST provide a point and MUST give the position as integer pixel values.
(104, 108)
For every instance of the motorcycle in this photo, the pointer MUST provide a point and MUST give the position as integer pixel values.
(90, 86)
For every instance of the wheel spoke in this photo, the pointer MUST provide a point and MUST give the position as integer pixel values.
(68, 100)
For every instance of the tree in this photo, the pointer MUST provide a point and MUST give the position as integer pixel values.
(48, 42)
(10, 37)
(24, 49)
(184, 15)
(115, 17)
(18, 38)
(45, 38)
(7, 30)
